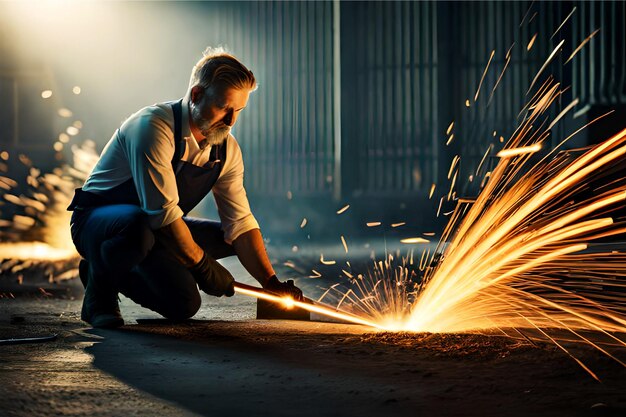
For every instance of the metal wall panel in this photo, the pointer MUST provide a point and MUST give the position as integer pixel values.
(389, 96)
(286, 133)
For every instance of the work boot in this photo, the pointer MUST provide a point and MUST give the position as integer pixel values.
(100, 306)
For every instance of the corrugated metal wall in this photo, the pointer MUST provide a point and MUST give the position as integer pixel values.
(389, 96)
(406, 70)
(599, 69)
(286, 132)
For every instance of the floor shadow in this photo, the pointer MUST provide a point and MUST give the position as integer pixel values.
(225, 373)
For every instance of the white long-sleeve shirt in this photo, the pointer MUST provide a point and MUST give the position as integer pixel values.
(143, 148)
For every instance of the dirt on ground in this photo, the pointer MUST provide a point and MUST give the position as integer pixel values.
(227, 363)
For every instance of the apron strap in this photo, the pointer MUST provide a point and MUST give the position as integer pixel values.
(179, 147)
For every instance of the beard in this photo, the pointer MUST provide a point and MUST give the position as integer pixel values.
(213, 135)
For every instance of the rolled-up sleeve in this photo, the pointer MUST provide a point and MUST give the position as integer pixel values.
(231, 199)
(149, 142)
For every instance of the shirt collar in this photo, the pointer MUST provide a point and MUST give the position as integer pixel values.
(186, 132)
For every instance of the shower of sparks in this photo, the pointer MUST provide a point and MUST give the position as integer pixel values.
(532, 42)
(563, 113)
(343, 209)
(482, 161)
(507, 153)
(315, 274)
(564, 21)
(522, 254)
(484, 73)
(554, 53)
(581, 45)
(414, 240)
(455, 160)
(506, 65)
(345, 245)
(432, 191)
(326, 262)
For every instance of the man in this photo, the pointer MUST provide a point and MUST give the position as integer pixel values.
(130, 219)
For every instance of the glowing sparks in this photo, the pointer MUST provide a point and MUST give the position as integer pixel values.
(315, 274)
(449, 141)
(413, 240)
(450, 128)
(314, 308)
(455, 160)
(563, 113)
(343, 209)
(532, 42)
(583, 43)
(326, 262)
(484, 73)
(432, 191)
(508, 153)
(398, 224)
(564, 21)
(303, 223)
(345, 245)
(555, 51)
(33, 250)
(373, 224)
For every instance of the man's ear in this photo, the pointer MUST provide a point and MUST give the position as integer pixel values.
(196, 93)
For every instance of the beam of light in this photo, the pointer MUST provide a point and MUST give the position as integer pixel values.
(583, 43)
(507, 153)
(289, 302)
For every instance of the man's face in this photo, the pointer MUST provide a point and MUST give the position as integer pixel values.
(214, 112)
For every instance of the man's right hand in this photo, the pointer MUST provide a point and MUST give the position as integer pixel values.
(283, 288)
(213, 278)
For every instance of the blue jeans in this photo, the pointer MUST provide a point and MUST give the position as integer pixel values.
(125, 253)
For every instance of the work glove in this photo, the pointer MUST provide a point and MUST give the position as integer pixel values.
(213, 278)
(283, 288)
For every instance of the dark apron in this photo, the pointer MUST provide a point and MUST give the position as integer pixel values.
(193, 182)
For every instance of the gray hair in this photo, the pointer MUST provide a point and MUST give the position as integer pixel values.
(218, 69)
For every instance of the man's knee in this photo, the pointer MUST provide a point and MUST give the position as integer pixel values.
(184, 307)
(132, 243)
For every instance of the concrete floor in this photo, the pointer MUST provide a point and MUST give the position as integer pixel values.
(224, 362)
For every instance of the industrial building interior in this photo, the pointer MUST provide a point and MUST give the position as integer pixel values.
(375, 127)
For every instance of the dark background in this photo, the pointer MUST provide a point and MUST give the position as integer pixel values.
(354, 98)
